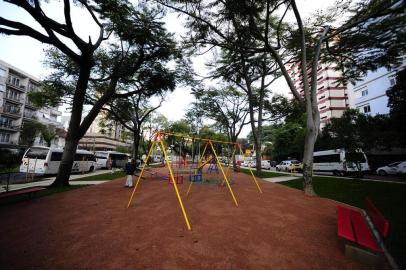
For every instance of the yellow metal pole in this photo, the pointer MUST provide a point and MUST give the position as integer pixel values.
(197, 138)
(224, 175)
(190, 186)
(175, 187)
(252, 174)
(228, 165)
(201, 158)
(142, 171)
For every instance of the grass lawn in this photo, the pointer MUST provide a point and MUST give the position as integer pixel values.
(390, 198)
(263, 174)
(42, 193)
(10, 170)
(101, 177)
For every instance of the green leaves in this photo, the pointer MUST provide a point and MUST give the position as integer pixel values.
(29, 131)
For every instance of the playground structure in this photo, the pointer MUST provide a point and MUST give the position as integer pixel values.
(174, 178)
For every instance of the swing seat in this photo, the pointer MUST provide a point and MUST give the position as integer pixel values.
(178, 179)
(195, 178)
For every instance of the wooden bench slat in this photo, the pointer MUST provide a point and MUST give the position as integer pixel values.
(21, 191)
(380, 222)
(344, 227)
(363, 234)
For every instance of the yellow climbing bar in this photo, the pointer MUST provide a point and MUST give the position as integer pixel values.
(175, 186)
(141, 173)
(252, 174)
(224, 175)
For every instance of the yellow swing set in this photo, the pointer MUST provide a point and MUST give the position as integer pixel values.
(158, 139)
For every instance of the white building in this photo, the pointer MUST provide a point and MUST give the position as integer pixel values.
(16, 108)
(104, 138)
(369, 95)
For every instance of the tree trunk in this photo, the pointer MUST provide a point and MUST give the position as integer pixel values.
(136, 143)
(62, 179)
(258, 152)
(233, 139)
(310, 140)
(73, 134)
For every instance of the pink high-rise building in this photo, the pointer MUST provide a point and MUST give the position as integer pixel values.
(332, 98)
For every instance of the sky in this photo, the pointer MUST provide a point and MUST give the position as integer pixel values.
(27, 54)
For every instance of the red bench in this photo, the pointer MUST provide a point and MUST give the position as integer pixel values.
(353, 226)
(29, 191)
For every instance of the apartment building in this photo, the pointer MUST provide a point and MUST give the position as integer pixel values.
(332, 97)
(369, 94)
(104, 138)
(16, 108)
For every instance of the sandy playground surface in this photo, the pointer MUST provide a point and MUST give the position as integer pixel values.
(91, 228)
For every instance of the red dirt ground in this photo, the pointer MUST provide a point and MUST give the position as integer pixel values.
(91, 228)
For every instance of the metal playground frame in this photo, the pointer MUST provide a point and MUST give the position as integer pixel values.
(158, 139)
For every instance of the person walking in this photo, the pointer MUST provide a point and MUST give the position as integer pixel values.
(130, 168)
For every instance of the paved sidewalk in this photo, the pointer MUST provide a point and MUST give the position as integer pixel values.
(49, 180)
(280, 179)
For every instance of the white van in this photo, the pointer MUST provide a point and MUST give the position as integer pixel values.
(340, 162)
(119, 159)
(46, 160)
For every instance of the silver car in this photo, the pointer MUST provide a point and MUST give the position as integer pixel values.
(393, 168)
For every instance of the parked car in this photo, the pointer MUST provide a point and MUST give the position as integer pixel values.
(289, 166)
(393, 168)
(266, 164)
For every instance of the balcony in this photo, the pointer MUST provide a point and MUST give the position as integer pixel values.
(12, 113)
(13, 100)
(16, 87)
(8, 127)
(29, 115)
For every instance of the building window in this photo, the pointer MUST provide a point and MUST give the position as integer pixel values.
(11, 108)
(5, 122)
(13, 80)
(14, 95)
(320, 98)
(364, 93)
(392, 80)
(367, 109)
(4, 137)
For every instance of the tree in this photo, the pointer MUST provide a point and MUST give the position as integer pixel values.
(90, 73)
(122, 149)
(48, 133)
(397, 104)
(178, 144)
(228, 107)
(352, 131)
(82, 55)
(288, 140)
(29, 131)
(213, 24)
(285, 139)
(132, 113)
(253, 74)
